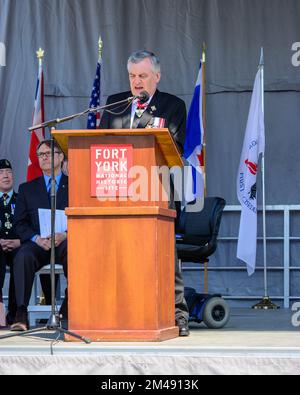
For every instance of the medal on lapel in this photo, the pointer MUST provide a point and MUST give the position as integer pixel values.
(8, 224)
(140, 109)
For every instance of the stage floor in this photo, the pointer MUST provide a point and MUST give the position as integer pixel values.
(254, 342)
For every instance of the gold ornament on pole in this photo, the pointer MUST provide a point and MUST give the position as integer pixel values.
(100, 47)
(40, 55)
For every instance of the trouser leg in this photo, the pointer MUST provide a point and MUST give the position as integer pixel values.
(181, 308)
(62, 257)
(46, 286)
(29, 259)
(2, 272)
(12, 303)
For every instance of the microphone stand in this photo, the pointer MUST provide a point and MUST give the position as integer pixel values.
(54, 323)
(57, 121)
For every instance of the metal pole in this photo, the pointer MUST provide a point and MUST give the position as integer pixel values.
(266, 303)
(203, 109)
(262, 76)
(54, 318)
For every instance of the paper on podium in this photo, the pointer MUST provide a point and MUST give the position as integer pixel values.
(61, 224)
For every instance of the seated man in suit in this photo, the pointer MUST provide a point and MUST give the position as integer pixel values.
(144, 75)
(35, 250)
(9, 242)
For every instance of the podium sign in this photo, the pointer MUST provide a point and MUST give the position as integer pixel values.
(110, 166)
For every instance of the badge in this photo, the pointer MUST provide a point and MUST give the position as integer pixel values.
(8, 224)
(139, 112)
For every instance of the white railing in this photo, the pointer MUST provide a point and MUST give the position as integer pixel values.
(287, 269)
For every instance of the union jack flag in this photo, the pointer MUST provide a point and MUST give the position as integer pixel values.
(94, 118)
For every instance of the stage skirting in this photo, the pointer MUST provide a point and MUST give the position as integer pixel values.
(136, 362)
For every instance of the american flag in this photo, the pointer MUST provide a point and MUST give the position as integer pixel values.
(94, 118)
(37, 136)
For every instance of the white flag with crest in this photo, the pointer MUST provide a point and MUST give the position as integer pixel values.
(254, 145)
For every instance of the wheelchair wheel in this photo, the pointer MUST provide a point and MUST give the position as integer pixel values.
(216, 313)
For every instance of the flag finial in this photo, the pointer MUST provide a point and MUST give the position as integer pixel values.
(204, 52)
(40, 55)
(100, 47)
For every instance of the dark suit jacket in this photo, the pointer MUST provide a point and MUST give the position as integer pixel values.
(162, 105)
(32, 196)
(5, 233)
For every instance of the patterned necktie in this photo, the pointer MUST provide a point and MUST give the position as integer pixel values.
(5, 197)
(49, 190)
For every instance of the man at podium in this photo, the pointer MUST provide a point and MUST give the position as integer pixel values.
(168, 111)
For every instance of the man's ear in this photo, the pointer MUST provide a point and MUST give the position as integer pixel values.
(62, 155)
(158, 77)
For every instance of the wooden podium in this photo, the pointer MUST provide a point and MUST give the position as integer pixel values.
(121, 252)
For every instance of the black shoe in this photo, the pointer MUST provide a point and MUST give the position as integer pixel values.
(10, 318)
(42, 321)
(183, 326)
(21, 323)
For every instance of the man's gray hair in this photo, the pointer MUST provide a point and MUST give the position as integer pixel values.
(138, 56)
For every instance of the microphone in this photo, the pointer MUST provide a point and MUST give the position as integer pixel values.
(143, 97)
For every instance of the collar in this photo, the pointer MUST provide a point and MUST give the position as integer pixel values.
(48, 178)
(10, 194)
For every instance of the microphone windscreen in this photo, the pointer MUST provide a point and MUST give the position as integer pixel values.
(144, 97)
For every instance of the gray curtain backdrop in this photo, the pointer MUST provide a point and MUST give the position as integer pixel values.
(233, 30)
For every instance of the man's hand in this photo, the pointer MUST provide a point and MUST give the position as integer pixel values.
(45, 244)
(9, 245)
(59, 238)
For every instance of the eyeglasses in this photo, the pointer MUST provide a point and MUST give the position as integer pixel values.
(46, 154)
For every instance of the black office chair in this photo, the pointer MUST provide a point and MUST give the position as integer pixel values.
(197, 232)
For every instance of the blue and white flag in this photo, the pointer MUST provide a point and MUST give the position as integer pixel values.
(194, 184)
(94, 118)
(254, 145)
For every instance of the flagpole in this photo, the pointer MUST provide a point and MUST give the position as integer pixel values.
(204, 145)
(204, 113)
(40, 56)
(266, 303)
(264, 179)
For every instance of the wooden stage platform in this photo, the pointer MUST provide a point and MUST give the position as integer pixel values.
(254, 342)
